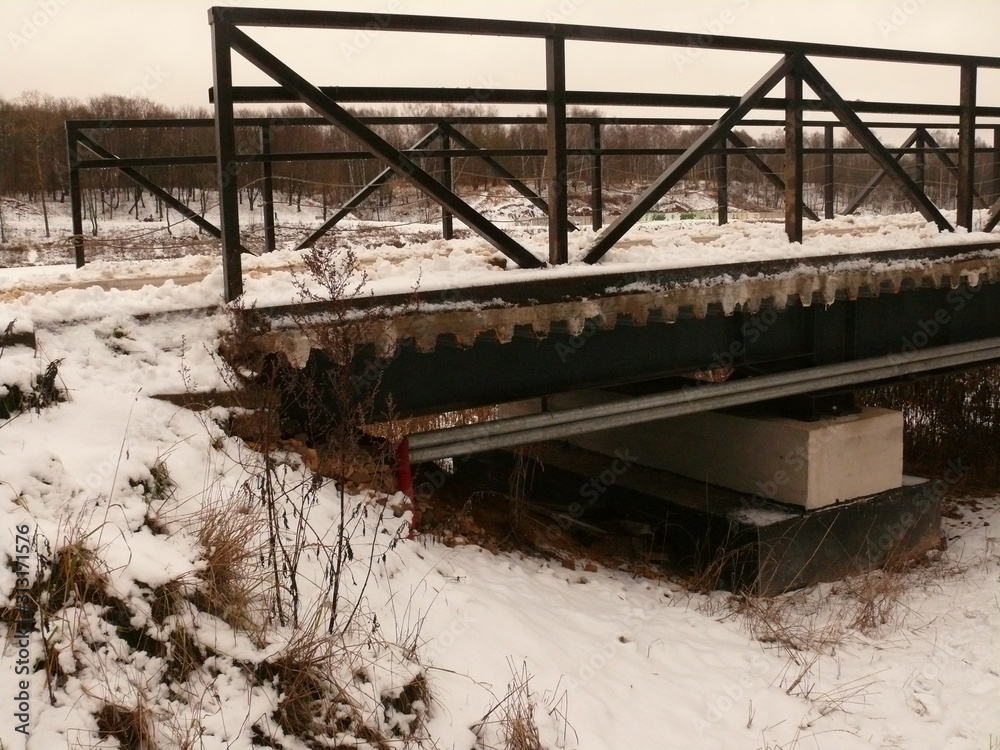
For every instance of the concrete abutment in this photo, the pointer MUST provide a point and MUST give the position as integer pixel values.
(782, 503)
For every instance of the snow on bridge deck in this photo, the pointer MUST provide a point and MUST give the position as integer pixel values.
(150, 286)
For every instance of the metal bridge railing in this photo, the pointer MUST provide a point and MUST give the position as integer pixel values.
(795, 71)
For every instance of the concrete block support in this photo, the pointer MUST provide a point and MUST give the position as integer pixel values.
(807, 464)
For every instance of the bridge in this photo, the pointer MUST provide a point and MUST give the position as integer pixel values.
(578, 345)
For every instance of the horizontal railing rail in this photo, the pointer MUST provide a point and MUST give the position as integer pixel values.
(792, 85)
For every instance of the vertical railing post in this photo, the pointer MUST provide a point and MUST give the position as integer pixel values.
(793, 153)
(966, 147)
(722, 184)
(829, 186)
(225, 154)
(447, 220)
(556, 162)
(920, 173)
(596, 178)
(267, 189)
(75, 196)
(995, 192)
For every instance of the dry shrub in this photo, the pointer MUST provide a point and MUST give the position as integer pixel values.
(876, 599)
(791, 621)
(71, 576)
(511, 724)
(184, 655)
(812, 619)
(231, 581)
(358, 467)
(44, 391)
(131, 726)
(317, 678)
(948, 417)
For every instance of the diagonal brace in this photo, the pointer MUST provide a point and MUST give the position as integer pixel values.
(950, 165)
(704, 143)
(391, 156)
(359, 197)
(765, 170)
(874, 181)
(991, 223)
(155, 189)
(872, 145)
(501, 170)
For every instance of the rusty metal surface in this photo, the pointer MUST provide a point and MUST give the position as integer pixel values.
(572, 304)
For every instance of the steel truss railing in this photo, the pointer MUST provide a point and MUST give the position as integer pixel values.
(795, 69)
(83, 135)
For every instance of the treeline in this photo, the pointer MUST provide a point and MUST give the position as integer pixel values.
(33, 158)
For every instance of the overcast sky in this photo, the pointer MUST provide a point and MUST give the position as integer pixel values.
(161, 48)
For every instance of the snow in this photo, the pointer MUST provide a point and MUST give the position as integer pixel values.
(611, 661)
(437, 264)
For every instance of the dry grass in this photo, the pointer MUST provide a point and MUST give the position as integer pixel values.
(231, 581)
(518, 728)
(131, 726)
(511, 724)
(819, 618)
(877, 599)
(519, 486)
(76, 575)
(321, 682)
(71, 577)
(795, 622)
(301, 675)
(714, 567)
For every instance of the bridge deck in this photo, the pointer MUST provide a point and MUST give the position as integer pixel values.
(577, 304)
(399, 260)
(516, 334)
(487, 344)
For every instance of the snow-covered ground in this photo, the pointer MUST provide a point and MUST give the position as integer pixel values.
(610, 661)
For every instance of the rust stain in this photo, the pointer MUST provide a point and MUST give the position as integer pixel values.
(666, 305)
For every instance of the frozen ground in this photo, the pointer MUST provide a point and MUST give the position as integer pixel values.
(610, 661)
